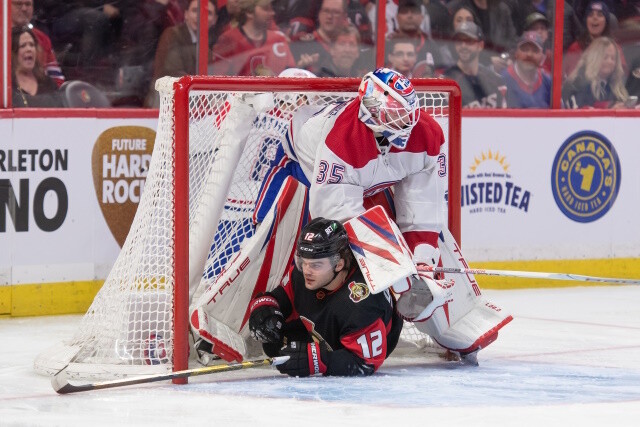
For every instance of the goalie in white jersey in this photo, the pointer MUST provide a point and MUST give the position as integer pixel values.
(353, 152)
(350, 154)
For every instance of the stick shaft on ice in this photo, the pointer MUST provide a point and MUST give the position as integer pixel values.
(61, 384)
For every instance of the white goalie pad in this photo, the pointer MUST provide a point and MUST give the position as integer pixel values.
(466, 321)
(220, 314)
(380, 250)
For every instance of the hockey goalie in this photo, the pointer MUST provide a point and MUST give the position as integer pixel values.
(374, 164)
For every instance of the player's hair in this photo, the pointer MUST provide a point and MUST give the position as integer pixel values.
(589, 67)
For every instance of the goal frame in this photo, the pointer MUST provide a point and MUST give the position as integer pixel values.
(186, 84)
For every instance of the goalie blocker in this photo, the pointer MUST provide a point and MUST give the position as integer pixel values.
(452, 311)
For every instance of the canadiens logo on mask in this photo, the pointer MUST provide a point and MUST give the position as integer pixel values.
(358, 291)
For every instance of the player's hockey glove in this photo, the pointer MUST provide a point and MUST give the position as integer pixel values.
(266, 320)
(304, 359)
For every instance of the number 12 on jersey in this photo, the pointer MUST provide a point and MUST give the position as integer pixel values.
(371, 344)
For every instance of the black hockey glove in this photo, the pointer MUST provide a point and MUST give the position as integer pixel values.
(266, 320)
(304, 359)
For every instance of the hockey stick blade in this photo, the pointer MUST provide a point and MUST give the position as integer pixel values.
(531, 275)
(61, 383)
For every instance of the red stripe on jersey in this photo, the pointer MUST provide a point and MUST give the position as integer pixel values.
(369, 343)
(348, 132)
(426, 136)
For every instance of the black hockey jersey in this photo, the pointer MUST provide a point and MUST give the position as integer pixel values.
(356, 325)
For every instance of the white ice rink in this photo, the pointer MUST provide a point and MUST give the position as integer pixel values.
(571, 357)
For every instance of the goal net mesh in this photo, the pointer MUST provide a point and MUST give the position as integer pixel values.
(129, 328)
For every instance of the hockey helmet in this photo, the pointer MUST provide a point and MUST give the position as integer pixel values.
(388, 105)
(322, 238)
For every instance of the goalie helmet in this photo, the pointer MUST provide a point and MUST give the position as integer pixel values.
(388, 105)
(322, 238)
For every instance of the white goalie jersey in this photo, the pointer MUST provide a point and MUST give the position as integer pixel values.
(345, 165)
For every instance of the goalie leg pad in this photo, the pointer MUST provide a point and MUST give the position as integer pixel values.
(468, 321)
(258, 267)
(226, 343)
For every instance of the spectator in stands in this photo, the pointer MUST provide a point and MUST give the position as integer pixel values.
(177, 54)
(228, 17)
(409, 19)
(597, 24)
(295, 17)
(528, 85)
(522, 9)
(496, 23)
(345, 54)
(143, 22)
(402, 56)
(598, 79)
(480, 86)
(312, 51)
(539, 24)
(252, 49)
(31, 87)
(627, 10)
(81, 29)
(633, 81)
(22, 15)
(358, 17)
(465, 12)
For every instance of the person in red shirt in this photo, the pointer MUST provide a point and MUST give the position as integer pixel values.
(21, 15)
(252, 49)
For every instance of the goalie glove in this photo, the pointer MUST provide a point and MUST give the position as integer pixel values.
(266, 320)
(304, 359)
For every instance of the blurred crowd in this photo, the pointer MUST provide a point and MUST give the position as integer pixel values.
(499, 51)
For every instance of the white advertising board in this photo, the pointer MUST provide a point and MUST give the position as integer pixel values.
(64, 226)
(549, 188)
(56, 232)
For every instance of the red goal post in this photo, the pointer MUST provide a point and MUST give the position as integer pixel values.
(186, 85)
(196, 210)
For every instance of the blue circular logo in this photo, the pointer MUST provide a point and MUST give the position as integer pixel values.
(585, 177)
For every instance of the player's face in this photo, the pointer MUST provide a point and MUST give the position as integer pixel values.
(317, 273)
(608, 62)
(403, 58)
(529, 56)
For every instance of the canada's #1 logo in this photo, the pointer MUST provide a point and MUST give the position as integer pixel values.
(489, 186)
(585, 177)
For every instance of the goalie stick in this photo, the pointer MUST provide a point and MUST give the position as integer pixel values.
(61, 383)
(529, 275)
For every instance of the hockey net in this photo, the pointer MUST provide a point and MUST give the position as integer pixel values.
(196, 211)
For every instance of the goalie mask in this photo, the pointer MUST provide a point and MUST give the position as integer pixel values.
(388, 105)
(321, 238)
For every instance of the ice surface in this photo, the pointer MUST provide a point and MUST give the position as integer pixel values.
(570, 357)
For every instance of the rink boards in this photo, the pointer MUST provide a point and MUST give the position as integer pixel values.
(555, 193)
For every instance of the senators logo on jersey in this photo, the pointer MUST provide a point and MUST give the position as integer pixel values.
(359, 291)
